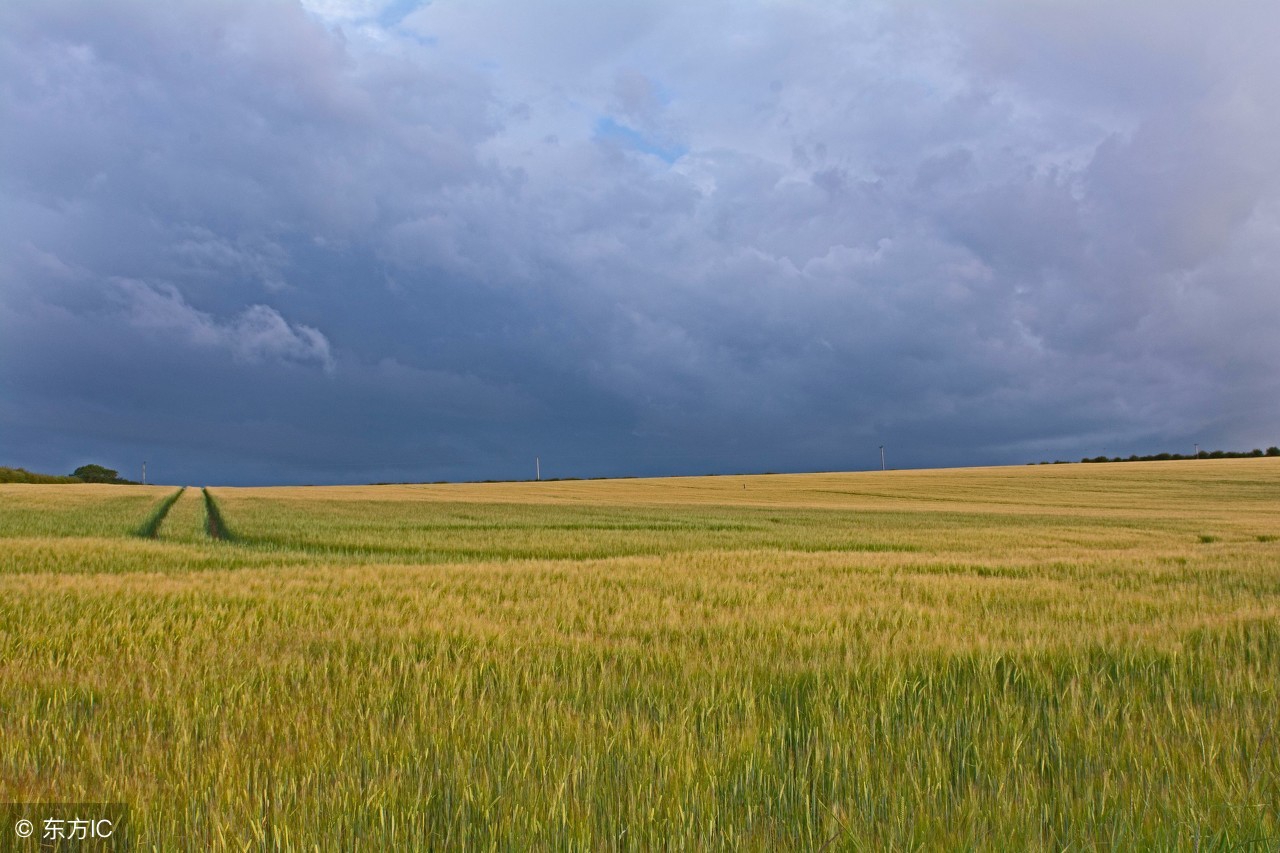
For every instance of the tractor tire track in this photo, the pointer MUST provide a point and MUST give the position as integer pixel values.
(214, 524)
(150, 528)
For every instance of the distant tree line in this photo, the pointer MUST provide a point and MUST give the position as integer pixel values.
(1203, 454)
(83, 474)
(22, 475)
(1169, 457)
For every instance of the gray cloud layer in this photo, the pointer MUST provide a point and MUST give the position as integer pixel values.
(259, 241)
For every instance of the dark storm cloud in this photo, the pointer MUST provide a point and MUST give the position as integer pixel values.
(257, 241)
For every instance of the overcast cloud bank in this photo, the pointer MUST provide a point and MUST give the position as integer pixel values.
(352, 241)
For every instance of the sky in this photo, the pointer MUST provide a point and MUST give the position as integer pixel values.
(346, 241)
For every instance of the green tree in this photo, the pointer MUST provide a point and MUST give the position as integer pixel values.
(96, 474)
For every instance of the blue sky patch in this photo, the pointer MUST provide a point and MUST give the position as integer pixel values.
(628, 137)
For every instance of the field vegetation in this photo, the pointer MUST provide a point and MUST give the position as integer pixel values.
(83, 474)
(22, 475)
(1015, 658)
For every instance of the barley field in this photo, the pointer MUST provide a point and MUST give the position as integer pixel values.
(1041, 658)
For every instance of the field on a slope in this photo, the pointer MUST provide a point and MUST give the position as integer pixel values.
(1039, 657)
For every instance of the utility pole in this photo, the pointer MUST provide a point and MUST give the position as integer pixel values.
(537, 467)
(882, 468)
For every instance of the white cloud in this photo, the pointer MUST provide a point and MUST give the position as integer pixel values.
(257, 334)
